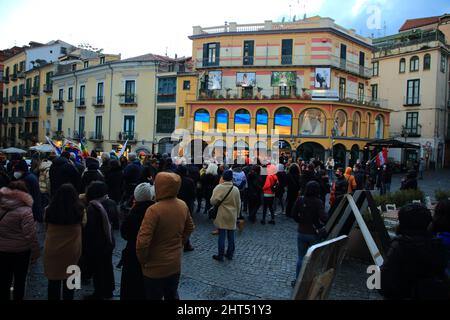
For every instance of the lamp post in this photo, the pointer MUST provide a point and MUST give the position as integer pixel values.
(333, 134)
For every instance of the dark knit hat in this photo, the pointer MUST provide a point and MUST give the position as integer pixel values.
(228, 175)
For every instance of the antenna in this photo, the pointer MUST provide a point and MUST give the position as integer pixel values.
(384, 28)
(166, 51)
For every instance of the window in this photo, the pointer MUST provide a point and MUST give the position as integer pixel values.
(28, 106)
(36, 105)
(261, 121)
(82, 95)
(98, 127)
(375, 68)
(165, 122)
(374, 92)
(356, 125)
(22, 66)
(340, 123)
(61, 94)
(181, 112)
(28, 86)
(342, 88)
(128, 125)
(21, 112)
(100, 93)
(36, 82)
(248, 52)
(413, 92)
(186, 85)
(86, 64)
(59, 126)
(414, 64)
(130, 86)
(34, 127)
(63, 50)
(402, 66)
(362, 59)
(361, 92)
(201, 120)
(222, 121)
(242, 121)
(74, 67)
(312, 123)
(379, 127)
(286, 51)
(70, 94)
(443, 63)
(167, 89)
(48, 79)
(49, 105)
(27, 127)
(102, 60)
(14, 112)
(427, 62)
(211, 54)
(343, 52)
(412, 121)
(283, 121)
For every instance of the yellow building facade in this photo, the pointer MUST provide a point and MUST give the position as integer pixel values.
(306, 82)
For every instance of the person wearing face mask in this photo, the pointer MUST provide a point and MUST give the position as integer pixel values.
(21, 173)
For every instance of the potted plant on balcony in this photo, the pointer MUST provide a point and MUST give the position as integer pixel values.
(228, 92)
(305, 95)
(259, 94)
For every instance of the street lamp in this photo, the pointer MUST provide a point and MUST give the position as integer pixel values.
(334, 132)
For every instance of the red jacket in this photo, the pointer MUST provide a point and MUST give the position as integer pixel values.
(270, 182)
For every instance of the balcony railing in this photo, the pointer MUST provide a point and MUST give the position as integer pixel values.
(58, 105)
(58, 135)
(48, 87)
(412, 131)
(35, 91)
(20, 97)
(21, 74)
(80, 103)
(127, 99)
(78, 135)
(124, 136)
(411, 101)
(293, 94)
(98, 101)
(6, 79)
(14, 77)
(29, 136)
(95, 136)
(5, 100)
(15, 120)
(167, 97)
(27, 92)
(31, 114)
(13, 99)
(4, 120)
(288, 60)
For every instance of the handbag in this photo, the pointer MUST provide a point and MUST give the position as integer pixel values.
(212, 212)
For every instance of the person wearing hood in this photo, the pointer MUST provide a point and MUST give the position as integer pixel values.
(62, 171)
(187, 194)
(293, 187)
(98, 238)
(269, 194)
(44, 181)
(410, 181)
(132, 281)
(18, 239)
(114, 181)
(227, 214)
(350, 179)
(159, 246)
(92, 173)
(21, 173)
(309, 213)
(415, 265)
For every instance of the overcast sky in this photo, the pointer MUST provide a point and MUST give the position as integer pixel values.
(135, 27)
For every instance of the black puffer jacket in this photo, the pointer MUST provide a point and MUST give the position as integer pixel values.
(63, 171)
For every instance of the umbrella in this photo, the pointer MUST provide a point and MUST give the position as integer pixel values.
(42, 148)
(13, 150)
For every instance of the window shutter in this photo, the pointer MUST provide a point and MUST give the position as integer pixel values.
(205, 55)
(217, 62)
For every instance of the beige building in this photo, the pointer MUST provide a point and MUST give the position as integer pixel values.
(411, 71)
(114, 101)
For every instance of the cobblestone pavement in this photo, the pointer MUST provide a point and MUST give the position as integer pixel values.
(263, 266)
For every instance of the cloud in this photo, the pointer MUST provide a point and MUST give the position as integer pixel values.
(357, 7)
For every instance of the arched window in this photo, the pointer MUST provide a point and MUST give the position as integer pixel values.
(283, 121)
(427, 62)
(402, 66)
(414, 64)
(312, 123)
(356, 125)
(369, 125)
(222, 120)
(379, 127)
(262, 121)
(201, 120)
(340, 123)
(242, 121)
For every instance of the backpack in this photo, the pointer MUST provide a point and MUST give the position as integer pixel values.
(275, 187)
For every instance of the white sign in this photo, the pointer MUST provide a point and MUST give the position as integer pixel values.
(325, 95)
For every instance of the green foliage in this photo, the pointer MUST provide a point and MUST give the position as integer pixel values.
(441, 194)
(400, 198)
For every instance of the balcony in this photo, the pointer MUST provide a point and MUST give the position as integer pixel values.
(411, 101)
(287, 60)
(48, 88)
(78, 135)
(21, 74)
(20, 97)
(95, 136)
(5, 100)
(126, 99)
(15, 120)
(35, 91)
(13, 99)
(58, 135)
(411, 131)
(4, 120)
(29, 136)
(31, 114)
(58, 105)
(98, 101)
(294, 94)
(80, 103)
(27, 92)
(167, 97)
(6, 80)
(124, 136)
(14, 77)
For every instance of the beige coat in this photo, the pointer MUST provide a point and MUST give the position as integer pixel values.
(229, 209)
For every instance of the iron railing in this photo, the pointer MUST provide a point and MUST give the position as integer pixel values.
(98, 101)
(127, 99)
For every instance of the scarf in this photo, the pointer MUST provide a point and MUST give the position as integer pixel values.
(104, 215)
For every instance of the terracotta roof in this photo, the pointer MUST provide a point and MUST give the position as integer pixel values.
(149, 57)
(416, 23)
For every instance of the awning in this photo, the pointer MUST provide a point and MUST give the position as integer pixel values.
(393, 144)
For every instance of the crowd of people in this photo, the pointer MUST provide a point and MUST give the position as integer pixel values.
(152, 201)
